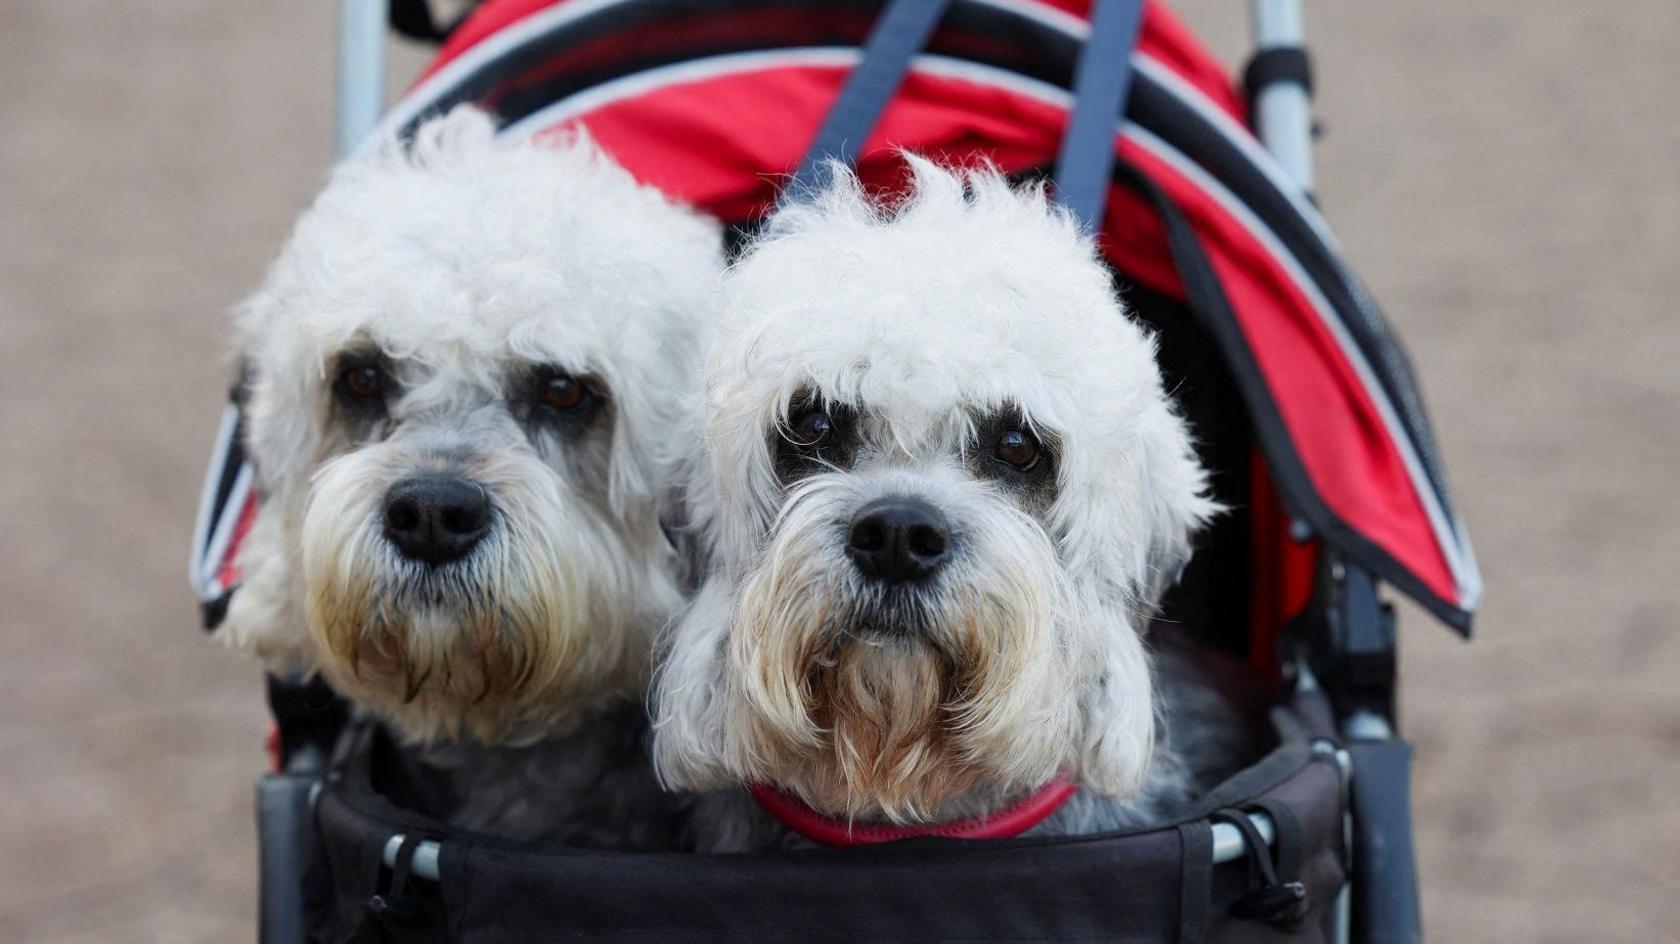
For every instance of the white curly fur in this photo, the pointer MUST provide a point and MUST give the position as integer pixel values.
(963, 299)
(464, 264)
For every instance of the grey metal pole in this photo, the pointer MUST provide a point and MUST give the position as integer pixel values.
(1228, 846)
(1283, 118)
(1283, 111)
(359, 93)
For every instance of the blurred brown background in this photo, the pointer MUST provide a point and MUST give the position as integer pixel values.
(1505, 173)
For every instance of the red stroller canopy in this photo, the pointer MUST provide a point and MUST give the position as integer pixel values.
(717, 102)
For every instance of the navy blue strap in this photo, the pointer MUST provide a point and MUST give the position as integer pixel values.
(1086, 163)
(899, 34)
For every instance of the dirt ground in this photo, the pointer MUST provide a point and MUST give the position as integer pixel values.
(1503, 173)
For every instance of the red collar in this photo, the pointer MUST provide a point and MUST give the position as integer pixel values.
(1007, 823)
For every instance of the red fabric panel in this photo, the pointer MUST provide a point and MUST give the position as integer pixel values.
(228, 574)
(1135, 240)
(1162, 35)
(734, 134)
(1353, 464)
(766, 125)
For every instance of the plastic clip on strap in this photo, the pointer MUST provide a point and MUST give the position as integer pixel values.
(394, 908)
(1280, 901)
(1084, 169)
(899, 34)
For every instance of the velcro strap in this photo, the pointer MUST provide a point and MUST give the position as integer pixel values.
(1276, 64)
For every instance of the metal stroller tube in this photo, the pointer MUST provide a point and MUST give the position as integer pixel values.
(1283, 110)
(359, 89)
(1228, 846)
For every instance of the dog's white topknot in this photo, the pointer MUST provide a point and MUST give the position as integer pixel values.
(966, 293)
(412, 243)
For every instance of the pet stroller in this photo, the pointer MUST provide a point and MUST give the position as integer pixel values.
(1303, 400)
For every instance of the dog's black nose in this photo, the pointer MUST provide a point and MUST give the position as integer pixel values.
(898, 540)
(436, 520)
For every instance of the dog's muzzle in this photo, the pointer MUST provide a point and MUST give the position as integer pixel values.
(436, 520)
(898, 540)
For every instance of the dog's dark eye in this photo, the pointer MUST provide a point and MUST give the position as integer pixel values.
(361, 382)
(817, 437)
(549, 397)
(1018, 448)
(362, 389)
(364, 382)
(565, 393)
(814, 427)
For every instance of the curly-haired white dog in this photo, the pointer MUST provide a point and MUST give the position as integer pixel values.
(942, 490)
(464, 381)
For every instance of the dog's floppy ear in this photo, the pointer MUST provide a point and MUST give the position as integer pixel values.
(265, 616)
(265, 610)
(693, 557)
(1168, 505)
(1130, 526)
(1175, 505)
(1118, 740)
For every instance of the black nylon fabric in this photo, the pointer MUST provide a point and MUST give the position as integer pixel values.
(1112, 891)
(1123, 888)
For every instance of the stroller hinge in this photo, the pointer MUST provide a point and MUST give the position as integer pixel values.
(1359, 665)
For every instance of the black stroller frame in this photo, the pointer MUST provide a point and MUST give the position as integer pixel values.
(1323, 822)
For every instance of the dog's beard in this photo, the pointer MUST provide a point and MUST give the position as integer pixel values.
(516, 641)
(907, 703)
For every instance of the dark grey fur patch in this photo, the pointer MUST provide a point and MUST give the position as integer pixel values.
(594, 789)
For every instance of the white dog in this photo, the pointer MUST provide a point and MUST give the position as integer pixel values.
(942, 490)
(465, 373)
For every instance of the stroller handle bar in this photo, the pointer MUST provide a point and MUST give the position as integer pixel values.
(1283, 110)
(359, 92)
(1228, 846)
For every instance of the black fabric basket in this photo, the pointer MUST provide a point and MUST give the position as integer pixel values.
(1159, 885)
